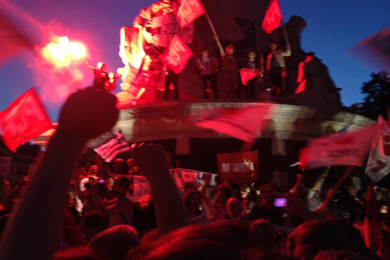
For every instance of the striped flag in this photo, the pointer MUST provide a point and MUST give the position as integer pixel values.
(117, 144)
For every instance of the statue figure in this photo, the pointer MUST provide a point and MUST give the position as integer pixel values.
(320, 88)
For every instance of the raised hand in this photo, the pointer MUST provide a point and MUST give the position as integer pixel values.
(88, 113)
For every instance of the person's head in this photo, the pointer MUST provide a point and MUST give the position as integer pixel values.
(205, 52)
(352, 190)
(192, 200)
(169, 157)
(268, 193)
(314, 236)
(233, 207)
(113, 243)
(273, 46)
(130, 162)
(207, 177)
(120, 186)
(120, 167)
(100, 65)
(212, 241)
(230, 49)
(264, 234)
(244, 190)
(111, 75)
(225, 193)
(309, 56)
(339, 255)
(82, 172)
(252, 55)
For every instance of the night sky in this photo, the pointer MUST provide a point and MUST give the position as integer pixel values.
(332, 28)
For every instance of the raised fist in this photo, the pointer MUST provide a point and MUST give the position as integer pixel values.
(88, 113)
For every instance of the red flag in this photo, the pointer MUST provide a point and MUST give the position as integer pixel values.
(177, 55)
(248, 74)
(24, 120)
(273, 18)
(242, 123)
(188, 11)
(378, 165)
(344, 148)
(11, 39)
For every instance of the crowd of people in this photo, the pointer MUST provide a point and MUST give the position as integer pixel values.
(203, 222)
(225, 76)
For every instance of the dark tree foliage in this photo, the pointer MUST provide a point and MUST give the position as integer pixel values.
(378, 96)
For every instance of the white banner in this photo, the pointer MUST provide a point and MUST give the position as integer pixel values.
(182, 176)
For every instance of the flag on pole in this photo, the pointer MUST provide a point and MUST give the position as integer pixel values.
(12, 40)
(378, 164)
(343, 148)
(188, 11)
(177, 55)
(24, 120)
(242, 123)
(110, 149)
(273, 17)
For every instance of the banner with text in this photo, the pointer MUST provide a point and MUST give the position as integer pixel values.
(238, 168)
(177, 55)
(188, 11)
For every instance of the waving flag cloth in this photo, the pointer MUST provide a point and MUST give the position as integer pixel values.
(242, 123)
(12, 40)
(344, 148)
(188, 11)
(24, 120)
(273, 17)
(177, 55)
(378, 165)
(248, 74)
(110, 149)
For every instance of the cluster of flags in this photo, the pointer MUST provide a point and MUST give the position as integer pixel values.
(26, 118)
(178, 53)
(351, 148)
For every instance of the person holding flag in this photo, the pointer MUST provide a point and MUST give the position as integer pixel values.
(208, 67)
(276, 68)
(101, 76)
(249, 74)
(229, 73)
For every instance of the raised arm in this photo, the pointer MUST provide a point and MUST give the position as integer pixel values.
(170, 211)
(33, 230)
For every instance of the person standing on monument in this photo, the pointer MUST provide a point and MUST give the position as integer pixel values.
(208, 67)
(252, 67)
(276, 68)
(170, 77)
(101, 76)
(229, 74)
(305, 72)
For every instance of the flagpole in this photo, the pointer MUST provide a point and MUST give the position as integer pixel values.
(326, 201)
(215, 34)
(285, 34)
